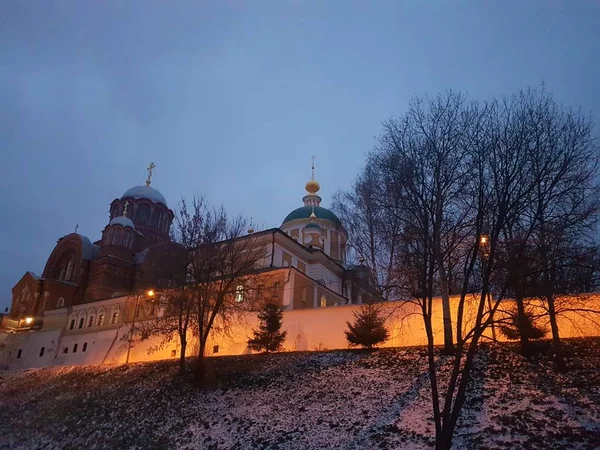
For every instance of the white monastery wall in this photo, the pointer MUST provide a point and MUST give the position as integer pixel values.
(307, 330)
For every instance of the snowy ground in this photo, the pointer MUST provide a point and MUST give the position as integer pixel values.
(338, 399)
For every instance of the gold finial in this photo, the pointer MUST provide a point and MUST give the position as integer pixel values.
(149, 169)
(125, 208)
(312, 187)
(76, 228)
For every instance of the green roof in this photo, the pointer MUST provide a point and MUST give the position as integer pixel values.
(304, 212)
(312, 225)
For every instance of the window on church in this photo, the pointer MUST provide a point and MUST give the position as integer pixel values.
(156, 216)
(75, 348)
(101, 320)
(216, 349)
(66, 350)
(84, 348)
(72, 324)
(42, 350)
(81, 322)
(173, 353)
(239, 293)
(143, 212)
(91, 321)
(19, 353)
(115, 317)
(60, 302)
(323, 301)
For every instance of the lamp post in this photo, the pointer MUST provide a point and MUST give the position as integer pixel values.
(149, 293)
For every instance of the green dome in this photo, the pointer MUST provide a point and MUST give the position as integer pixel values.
(304, 212)
(312, 225)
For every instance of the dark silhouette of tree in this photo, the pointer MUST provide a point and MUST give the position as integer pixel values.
(521, 325)
(368, 328)
(269, 337)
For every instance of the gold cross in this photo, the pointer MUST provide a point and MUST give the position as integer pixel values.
(313, 161)
(149, 169)
(125, 209)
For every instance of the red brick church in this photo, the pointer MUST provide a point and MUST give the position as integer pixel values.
(133, 254)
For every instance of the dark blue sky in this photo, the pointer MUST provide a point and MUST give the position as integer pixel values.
(231, 98)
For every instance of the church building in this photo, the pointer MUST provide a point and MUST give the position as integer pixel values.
(88, 289)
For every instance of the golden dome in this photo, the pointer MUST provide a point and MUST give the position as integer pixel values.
(312, 186)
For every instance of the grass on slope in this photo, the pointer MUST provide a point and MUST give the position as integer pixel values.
(314, 400)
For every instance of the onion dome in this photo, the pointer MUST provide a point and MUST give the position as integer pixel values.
(312, 186)
(145, 191)
(304, 212)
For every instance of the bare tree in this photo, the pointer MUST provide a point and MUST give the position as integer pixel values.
(223, 262)
(214, 283)
(465, 182)
(563, 157)
(372, 234)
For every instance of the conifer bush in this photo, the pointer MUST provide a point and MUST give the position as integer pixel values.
(268, 337)
(368, 328)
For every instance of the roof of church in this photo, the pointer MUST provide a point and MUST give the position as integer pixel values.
(304, 212)
(145, 191)
(89, 250)
(312, 225)
(122, 220)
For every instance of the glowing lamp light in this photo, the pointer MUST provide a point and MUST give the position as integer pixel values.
(483, 240)
(28, 320)
(150, 293)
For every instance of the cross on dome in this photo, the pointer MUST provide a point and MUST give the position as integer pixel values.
(149, 169)
(125, 208)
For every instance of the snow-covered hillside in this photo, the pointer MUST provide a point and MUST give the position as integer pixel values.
(338, 399)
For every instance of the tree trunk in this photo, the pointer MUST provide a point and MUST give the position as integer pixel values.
(448, 340)
(447, 316)
(200, 372)
(182, 357)
(559, 357)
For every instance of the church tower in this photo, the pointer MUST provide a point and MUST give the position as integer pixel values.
(315, 226)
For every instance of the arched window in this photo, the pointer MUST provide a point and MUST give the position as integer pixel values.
(69, 273)
(239, 293)
(117, 237)
(165, 223)
(143, 213)
(108, 237)
(101, 315)
(72, 321)
(156, 216)
(114, 315)
(323, 301)
(60, 302)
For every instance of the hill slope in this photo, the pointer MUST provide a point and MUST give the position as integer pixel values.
(339, 399)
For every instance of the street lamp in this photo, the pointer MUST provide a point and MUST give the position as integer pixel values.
(485, 253)
(149, 293)
(28, 320)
